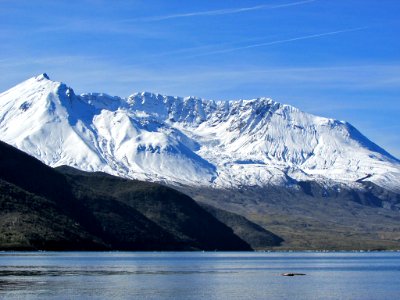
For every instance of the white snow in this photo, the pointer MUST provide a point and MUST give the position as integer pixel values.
(188, 140)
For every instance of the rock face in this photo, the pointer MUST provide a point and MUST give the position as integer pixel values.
(190, 141)
(67, 209)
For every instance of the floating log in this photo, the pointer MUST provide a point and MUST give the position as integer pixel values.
(293, 274)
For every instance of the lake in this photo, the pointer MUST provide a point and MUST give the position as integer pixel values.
(199, 275)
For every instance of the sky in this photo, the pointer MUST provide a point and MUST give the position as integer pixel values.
(334, 58)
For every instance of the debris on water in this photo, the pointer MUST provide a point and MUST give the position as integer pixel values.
(293, 274)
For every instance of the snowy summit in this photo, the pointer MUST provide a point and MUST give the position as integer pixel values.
(189, 141)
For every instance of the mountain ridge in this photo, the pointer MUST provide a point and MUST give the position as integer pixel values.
(190, 141)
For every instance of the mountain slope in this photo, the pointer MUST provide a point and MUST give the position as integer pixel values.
(256, 236)
(319, 219)
(42, 208)
(190, 141)
(173, 211)
(28, 221)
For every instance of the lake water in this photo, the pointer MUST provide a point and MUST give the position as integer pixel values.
(198, 275)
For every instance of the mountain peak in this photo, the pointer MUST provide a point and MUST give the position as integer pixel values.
(42, 76)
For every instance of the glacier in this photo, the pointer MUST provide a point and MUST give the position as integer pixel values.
(190, 141)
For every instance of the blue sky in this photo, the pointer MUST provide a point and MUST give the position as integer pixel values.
(335, 58)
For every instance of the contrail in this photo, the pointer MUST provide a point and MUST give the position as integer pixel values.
(305, 37)
(224, 11)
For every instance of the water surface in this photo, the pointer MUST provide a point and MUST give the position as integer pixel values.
(199, 275)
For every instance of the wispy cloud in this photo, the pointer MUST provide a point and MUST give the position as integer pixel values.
(210, 49)
(226, 11)
(281, 41)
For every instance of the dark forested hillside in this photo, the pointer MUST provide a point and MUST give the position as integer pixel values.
(67, 209)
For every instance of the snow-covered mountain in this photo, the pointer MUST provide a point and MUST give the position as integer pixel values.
(189, 141)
